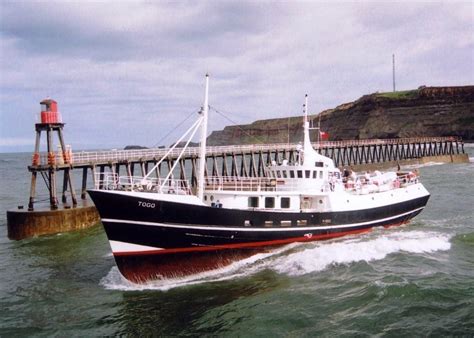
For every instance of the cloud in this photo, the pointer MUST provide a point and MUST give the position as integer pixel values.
(131, 30)
(128, 72)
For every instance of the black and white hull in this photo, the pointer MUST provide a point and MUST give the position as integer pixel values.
(152, 238)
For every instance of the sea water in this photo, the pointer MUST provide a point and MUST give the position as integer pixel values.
(414, 280)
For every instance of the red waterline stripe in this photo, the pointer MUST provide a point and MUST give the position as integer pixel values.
(244, 245)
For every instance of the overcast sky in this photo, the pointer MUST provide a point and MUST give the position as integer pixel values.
(128, 72)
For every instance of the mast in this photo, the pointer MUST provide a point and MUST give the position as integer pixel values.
(310, 154)
(307, 142)
(202, 149)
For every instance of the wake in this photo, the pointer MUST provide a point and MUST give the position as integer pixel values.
(324, 255)
(300, 259)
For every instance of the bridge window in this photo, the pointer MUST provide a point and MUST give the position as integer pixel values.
(285, 174)
(315, 174)
(319, 164)
(300, 173)
(321, 174)
(307, 173)
(253, 202)
(269, 202)
(292, 174)
(285, 203)
(278, 174)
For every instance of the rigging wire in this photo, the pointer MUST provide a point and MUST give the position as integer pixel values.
(173, 129)
(237, 125)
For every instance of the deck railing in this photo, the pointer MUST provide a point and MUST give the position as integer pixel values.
(111, 181)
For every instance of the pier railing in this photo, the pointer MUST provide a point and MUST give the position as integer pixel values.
(106, 156)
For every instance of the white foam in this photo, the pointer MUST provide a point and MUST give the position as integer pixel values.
(322, 255)
(298, 259)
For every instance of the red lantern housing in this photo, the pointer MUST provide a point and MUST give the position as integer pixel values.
(49, 111)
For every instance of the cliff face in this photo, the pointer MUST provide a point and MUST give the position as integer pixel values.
(427, 111)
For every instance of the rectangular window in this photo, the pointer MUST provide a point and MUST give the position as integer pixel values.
(319, 164)
(292, 174)
(302, 222)
(300, 173)
(269, 202)
(253, 202)
(268, 223)
(307, 173)
(285, 174)
(279, 174)
(320, 174)
(315, 174)
(285, 202)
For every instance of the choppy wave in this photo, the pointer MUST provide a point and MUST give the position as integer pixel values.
(300, 259)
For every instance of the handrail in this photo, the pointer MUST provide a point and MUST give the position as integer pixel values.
(112, 181)
(88, 157)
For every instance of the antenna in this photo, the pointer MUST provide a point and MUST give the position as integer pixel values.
(393, 71)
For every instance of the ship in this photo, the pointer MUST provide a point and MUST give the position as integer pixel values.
(162, 228)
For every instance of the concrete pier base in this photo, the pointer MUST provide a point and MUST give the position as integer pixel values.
(22, 223)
